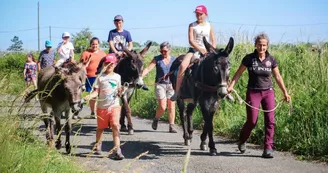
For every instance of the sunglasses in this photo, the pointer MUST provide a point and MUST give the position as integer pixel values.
(164, 51)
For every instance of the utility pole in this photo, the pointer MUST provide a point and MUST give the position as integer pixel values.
(38, 27)
(50, 32)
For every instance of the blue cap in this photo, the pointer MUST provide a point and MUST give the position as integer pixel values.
(48, 43)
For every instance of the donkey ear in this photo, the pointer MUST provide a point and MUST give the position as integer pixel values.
(208, 46)
(230, 46)
(125, 50)
(144, 51)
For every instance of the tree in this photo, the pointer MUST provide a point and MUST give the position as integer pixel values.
(104, 44)
(81, 40)
(154, 43)
(17, 44)
(136, 44)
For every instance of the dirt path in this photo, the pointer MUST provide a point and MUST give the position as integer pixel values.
(166, 152)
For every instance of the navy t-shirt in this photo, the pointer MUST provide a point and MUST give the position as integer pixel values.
(259, 72)
(123, 37)
(162, 69)
(47, 58)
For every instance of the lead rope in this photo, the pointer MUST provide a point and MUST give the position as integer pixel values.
(262, 110)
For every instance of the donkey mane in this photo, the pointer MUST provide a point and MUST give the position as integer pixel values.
(71, 67)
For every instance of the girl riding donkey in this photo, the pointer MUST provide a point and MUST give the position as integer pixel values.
(197, 30)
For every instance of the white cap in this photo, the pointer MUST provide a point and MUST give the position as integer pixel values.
(66, 34)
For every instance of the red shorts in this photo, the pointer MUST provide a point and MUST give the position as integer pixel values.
(107, 117)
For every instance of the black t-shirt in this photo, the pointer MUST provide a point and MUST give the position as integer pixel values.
(259, 72)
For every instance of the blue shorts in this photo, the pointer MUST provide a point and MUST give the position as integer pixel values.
(89, 83)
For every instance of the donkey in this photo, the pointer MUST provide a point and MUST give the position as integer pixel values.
(60, 88)
(130, 68)
(204, 83)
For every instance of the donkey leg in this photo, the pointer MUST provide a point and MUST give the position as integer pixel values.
(128, 111)
(58, 116)
(122, 117)
(183, 118)
(203, 136)
(51, 125)
(46, 120)
(211, 143)
(190, 110)
(68, 127)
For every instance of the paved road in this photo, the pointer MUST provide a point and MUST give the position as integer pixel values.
(166, 152)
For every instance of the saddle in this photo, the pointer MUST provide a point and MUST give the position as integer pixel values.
(188, 84)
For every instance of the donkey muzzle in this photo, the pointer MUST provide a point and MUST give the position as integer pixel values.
(139, 82)
(76, 107)
(222, 91)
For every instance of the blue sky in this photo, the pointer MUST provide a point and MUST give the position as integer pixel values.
(165, 20)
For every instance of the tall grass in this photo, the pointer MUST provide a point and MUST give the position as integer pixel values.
(22, 152)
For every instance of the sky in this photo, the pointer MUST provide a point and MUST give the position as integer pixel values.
(289, 21)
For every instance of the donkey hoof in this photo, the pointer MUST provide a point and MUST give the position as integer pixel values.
(213, 152)
(187, 142)
(58, 145)
(203, 147)
(68, 149)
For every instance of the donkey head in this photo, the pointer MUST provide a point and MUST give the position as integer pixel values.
(134, 61)
(73, 78)
(218, 66)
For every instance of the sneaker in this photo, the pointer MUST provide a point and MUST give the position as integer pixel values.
(130, 130)
(174, 97)
(124, 129)
(118, 156)
(98, 149)
(93, 115)
(144, 87)
(267, 154)
(154, 124)
(242, 147)
(172, 129)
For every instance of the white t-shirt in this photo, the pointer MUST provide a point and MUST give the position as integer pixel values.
(65, 51)
(199, 31)
(108, 86)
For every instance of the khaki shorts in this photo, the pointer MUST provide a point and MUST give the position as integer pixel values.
(163, 91)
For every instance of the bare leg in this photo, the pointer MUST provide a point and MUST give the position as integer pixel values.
(115, 124)
(183, 66)
(171, 108)
(92, 104)
(161, 108)
(99, 135)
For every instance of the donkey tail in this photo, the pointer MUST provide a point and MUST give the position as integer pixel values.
(30, 96)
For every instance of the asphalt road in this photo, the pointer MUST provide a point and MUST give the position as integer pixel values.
(164, 152)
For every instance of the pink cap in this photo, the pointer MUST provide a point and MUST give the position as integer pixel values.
(201, 9)
(110, 58)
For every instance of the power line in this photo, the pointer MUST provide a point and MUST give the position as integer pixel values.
(171, 26)
(137, 28)
(21, 30)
